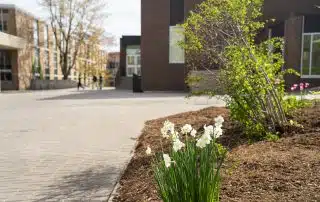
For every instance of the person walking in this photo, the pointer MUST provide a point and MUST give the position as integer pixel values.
(94, 84)
(100, 81)
(79, 83)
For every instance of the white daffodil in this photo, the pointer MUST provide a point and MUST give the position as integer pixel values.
(177, 145)
(186, 129)
(168, 128)
(167, 160)
(217, 132)
(204, 140)
(174, 135)
(201, 143)
(218, 121)
(148, 151)
(193, 133)
(208, 129)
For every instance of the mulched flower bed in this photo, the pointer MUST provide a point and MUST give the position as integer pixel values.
(286, 170)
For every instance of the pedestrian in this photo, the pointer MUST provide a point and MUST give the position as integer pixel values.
(100, 82)
(94, 79)
(79, 83)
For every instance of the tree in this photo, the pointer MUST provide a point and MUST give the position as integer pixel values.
(73, 22)
(94, 51)
(223, 33)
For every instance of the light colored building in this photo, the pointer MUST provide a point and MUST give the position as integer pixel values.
(113, 67)
(25, 40)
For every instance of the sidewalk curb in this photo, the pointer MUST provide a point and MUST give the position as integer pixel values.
(117, 184)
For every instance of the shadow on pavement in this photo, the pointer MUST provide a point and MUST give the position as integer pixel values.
(91, 184)
(112, 94)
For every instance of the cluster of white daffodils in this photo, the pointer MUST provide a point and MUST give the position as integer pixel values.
(206, 138)
(210, 131)
(177, 145)
(168, 131)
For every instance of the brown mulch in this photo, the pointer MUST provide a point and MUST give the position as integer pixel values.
(286, 170)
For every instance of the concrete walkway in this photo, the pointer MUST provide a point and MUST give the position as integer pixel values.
(69, 145)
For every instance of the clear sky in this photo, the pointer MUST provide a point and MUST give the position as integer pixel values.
(123, 19)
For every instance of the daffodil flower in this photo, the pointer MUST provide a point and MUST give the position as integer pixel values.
(193, 133)
(167, 160)
(177, 145)
(186, 129)
(208, 129)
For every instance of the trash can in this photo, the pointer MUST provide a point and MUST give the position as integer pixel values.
(136, 84)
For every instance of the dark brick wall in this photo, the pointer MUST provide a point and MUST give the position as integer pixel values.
(157, 73)
(283, 9)
(292, 37)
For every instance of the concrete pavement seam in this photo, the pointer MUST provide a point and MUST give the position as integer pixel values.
(113, 193)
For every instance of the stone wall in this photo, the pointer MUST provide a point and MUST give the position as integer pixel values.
(208, 81)
(52, 84)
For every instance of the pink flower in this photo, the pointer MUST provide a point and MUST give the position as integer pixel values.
(301, 87)
(301, 84)
(295, 85)
(293, 88)
(307, 85)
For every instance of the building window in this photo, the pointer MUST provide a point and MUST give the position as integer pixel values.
(54, 42)
(47, 66)
(62, 40)
(75, 75)
(5, 66)
(4, 20)
(176, 52)
(4, 26)
(131, 60)
(139, 60)
(46, 37)
(36, 58)
(69, 62)
(55, 65)
(310, 58)
(36, 33)
(130, 71)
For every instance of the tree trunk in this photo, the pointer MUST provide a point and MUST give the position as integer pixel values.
(65, 68)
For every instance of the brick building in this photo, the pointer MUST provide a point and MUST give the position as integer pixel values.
(162, 60)
(113, 66)
(25, 40)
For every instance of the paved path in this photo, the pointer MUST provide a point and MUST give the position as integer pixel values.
(66, 145)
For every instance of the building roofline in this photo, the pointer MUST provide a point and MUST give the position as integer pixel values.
(13, 6)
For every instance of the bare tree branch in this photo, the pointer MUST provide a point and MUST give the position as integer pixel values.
(73, 22)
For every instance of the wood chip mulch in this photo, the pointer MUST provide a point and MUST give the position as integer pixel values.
(286, 170)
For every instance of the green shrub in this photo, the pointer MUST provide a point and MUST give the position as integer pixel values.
(191, 171)
(37, 71)
(292, 103)
(223, 33)
(40, 72)
(272, 137)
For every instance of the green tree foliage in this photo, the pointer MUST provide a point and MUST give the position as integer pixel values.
(223, 34)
